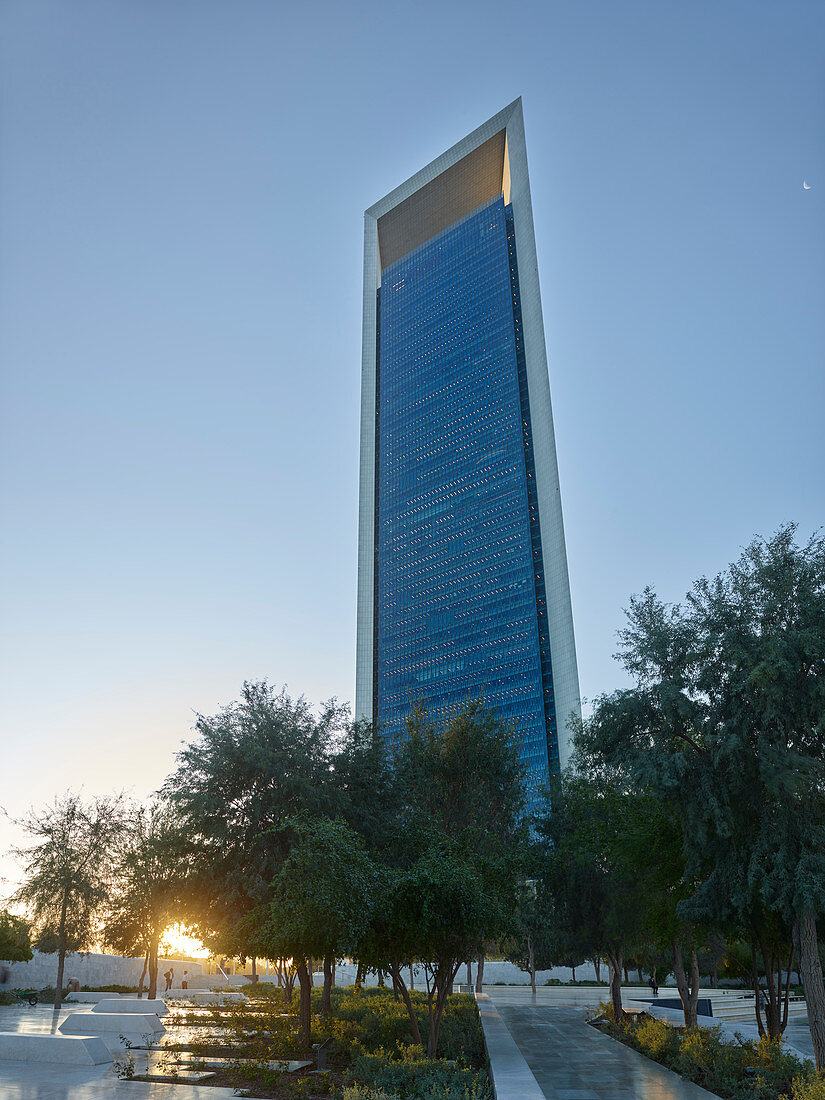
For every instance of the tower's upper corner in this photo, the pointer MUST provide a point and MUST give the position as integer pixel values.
(497, 124)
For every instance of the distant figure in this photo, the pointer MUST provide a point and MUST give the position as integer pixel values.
(653, 986)
(5, 976)
(184, 984)
(169, 975)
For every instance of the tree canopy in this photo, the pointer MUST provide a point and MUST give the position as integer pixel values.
(15, 939)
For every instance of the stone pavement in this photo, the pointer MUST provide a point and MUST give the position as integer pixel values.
(41, 1081)
(570, 1060)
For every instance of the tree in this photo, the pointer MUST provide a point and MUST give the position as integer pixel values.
(15, 941)
(252, 767)
(325, 892)
(535, 942)
(148, 883)
(68, 868)
(452, 856)
(727, 720)
(598, 892)
(365, 786)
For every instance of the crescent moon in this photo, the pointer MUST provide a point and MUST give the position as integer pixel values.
(806, 185)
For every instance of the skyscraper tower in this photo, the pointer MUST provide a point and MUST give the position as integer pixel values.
(462, 569)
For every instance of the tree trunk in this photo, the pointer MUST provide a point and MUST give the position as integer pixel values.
(325, 996)
(380, 978)
(810, 968)
(773, 1007)
(61, 956)
(154, 947)
(639, 972)
(469, 974)
(143, 975)
(405, 996)
(573, 970)
(359, 977)
(305, 1006)
(532, 964)
(787, 993)
(310, 969)
(480, 973)
(597, 964)
(254, 969)
(443, 982)
(757, 993)
(615, 959)
(688, 987)
(412, 976)
(626, 975)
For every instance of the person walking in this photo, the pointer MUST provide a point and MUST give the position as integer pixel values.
(169, 975)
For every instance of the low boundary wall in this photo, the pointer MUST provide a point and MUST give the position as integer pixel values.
(91, 970)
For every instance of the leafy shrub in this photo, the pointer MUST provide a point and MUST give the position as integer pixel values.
(407, 1072)
(361, 1092)
(374, 1020)
(265, 991)
(741, 1070)
(811, 1087)
(657, 1039)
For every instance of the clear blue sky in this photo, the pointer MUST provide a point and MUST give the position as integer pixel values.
(181, 196)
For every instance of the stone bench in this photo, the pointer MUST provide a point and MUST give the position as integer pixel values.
(128, 1004)
(67, 1050)
(112, 1024)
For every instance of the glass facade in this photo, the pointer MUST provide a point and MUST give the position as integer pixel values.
(459, 601)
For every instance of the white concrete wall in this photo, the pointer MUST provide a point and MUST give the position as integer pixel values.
(506, 972)
(91, 970)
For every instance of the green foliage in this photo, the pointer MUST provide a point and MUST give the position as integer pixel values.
(452, 858)
(726, 723)
(47, 940)
(149, 881)
(15, 938)
(374, 1020)
(68, 868)
(739, 1070)
(810, 1088)
(68, 865)
(362, 1092)
(406, 1072)
(324, 891)
(256, 764)
(600, 890)
(658, 1040)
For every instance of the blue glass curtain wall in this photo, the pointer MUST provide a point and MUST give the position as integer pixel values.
(459, 608)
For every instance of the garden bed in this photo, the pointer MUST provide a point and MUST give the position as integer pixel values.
(734, 1070)
(370, 1054)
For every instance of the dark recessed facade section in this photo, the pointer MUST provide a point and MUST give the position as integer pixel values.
(473, 180)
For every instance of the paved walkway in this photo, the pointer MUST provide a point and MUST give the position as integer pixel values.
(570, 1060)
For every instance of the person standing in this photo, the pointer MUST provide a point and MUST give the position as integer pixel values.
(185, 980)
(169, 975)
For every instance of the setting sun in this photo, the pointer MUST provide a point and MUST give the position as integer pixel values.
(177, 941)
